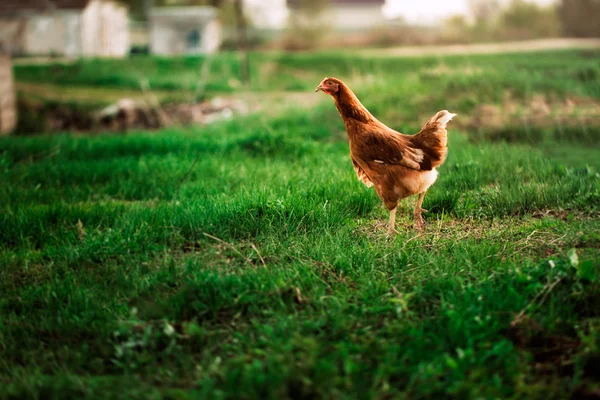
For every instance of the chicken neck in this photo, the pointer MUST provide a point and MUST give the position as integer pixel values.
(350, 108)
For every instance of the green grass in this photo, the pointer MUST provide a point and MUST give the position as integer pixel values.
(280, 71)
(416, 86)
(265, 271)
(92, 96)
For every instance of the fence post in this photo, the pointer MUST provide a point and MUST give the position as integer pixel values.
(8, 112)
(242, 39)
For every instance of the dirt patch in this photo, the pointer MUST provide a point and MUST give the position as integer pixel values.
(445, 70)
(584, 393)
(523, 237)
(275, 102)
(538, 111)
(125, 114)
(552, 353)
(148, 113)
(488, 48)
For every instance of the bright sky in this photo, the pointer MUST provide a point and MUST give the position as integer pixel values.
(274, 13)
(424, 10)
(434, 10)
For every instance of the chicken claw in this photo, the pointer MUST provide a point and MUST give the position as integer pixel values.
(419, 222)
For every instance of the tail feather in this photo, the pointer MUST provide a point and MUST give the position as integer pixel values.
(432, 139)
(442, 118)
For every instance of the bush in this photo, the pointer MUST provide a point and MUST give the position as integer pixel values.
(521, 20)
(580, 17)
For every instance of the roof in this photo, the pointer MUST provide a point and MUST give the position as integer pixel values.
(11, 7)
(198, 11)
(184, 15)
(298, 3)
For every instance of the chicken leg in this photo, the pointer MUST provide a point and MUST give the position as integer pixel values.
(419, 222)
(391, 229)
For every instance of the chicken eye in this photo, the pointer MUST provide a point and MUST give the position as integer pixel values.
(329, 83)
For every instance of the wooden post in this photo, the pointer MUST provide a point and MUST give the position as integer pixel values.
(242, 33)
(8, 108)
(147, 9)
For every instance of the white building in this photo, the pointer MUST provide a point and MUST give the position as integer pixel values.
(184, 30)
(347, 15)
(64, 27)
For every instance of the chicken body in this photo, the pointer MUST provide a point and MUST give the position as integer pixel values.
(397, 165)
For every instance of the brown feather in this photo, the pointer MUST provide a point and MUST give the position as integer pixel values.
(361, 174)
(397, 165)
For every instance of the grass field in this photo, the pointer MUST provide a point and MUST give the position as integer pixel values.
(244, 260)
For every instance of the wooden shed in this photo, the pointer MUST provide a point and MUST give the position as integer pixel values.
(8, 110)
(73, 28)
(184, 30)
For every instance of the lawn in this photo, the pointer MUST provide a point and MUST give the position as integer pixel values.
(244, 260)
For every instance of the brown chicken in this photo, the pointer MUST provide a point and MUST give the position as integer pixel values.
(397, 165)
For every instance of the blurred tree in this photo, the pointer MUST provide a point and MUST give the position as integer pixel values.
(313, 7)
(525, 20)
(485, 14)
(306, 27)
(484, 11)
(242, 36)
(519, 20)
(137, 8)
(140, 9)
(147, 7)
(456, 29)
(580, 18)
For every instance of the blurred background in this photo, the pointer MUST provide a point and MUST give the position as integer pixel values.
(66, 33)
(119, 27)
(180, 217)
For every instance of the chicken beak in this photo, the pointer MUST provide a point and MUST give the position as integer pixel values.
(319, 88)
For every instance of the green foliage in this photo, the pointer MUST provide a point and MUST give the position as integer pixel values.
(518, 20)
(307, 25)
(524, 73)
(580, 17)
(139, 8)
(244, 259)
(524, 20)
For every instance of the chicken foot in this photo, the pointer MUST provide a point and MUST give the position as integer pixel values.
(419, 222)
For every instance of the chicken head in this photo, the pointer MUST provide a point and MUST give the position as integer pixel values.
(328, 85)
